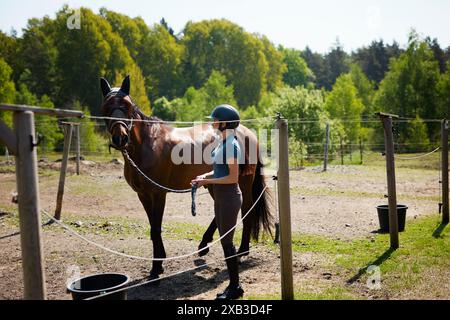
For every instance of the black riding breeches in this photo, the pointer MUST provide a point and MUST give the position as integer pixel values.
(227, 203)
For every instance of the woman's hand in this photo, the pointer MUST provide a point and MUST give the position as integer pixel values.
(199, 181)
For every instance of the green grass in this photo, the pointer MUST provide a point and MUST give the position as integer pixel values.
(424, 246)
(313, 291)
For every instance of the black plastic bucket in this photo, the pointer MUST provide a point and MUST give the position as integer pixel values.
(98, 284)
(383, 217)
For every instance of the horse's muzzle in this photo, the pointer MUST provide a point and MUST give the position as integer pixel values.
(119, 141)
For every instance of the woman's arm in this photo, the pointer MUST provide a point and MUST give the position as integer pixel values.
(202, 177)
(209, 174)
(206, 175)
(232, 177)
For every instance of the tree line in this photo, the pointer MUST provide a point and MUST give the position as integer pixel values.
(183, 76)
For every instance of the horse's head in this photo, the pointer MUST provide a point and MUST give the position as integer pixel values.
(118, 106)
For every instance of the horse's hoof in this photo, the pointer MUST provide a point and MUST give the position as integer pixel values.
(204, 249)
(154, 277)
(243, 252)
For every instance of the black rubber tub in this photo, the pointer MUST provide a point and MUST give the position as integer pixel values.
(98, 284)
(383, 217)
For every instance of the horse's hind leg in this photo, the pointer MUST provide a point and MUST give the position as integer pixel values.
(155, 211)
(246, 184)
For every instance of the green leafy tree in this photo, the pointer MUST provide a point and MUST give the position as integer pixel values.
(9, 52)
(164, 110)
(300, 104)
(45, 126)
(297, 152)
(410, 88)
(416, 136)
(38, 54)
(166, 26)
(92, 140)
(444, 94)
(316, 62)
(154, 50)
(196, 104)
(276, 63)
(132, 31)
(7, 90)
(223, 46)
(161, 61)
(365, 89)
(298, 73)
(7, 87)
(337, 63)
(344, 103)
(88, 53)
(374, 59)
(439, 53)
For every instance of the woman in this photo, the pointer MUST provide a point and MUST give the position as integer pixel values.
(227, 194)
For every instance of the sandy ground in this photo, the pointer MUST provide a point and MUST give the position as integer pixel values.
(340, 204)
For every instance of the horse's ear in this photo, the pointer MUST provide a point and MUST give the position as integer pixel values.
(106, 88)
(125, 88)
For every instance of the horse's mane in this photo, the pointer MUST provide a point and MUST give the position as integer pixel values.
(154, 125)
(145, 117)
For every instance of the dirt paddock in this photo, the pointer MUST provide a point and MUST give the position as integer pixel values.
(339, 204)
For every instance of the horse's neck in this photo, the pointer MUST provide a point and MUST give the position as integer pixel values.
(144, 138)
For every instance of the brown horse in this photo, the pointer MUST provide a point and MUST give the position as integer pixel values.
(150, 145)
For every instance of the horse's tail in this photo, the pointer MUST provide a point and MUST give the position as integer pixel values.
(262, 213)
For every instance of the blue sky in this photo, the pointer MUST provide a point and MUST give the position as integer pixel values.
(290, 23)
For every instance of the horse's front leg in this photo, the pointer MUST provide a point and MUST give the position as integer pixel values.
(154, 206)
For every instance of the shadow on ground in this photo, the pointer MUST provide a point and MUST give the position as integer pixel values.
(188, 284)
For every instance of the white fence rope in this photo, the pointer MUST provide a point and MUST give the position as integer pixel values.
(265, 119)
(151, 259)
(417, 157)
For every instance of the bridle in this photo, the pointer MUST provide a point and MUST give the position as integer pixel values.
(113, 121)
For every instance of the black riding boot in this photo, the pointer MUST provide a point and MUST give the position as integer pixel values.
(234, 290)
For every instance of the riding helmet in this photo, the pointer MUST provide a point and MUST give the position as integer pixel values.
(225, 112)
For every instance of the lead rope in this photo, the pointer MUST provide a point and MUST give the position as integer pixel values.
(193, 194)
(193, 189)
(133, 164)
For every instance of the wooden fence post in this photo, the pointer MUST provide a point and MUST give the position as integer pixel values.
(43, 147)
(390, 171)
(350, 151)
(29, 207)
(62, 175)
(22, 143)
(360, 150)
(327, 141)
(342, 152)
(444, 180)
(78, 148)
(287, 288)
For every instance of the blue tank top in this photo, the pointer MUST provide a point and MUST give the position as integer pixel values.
(228, 148)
